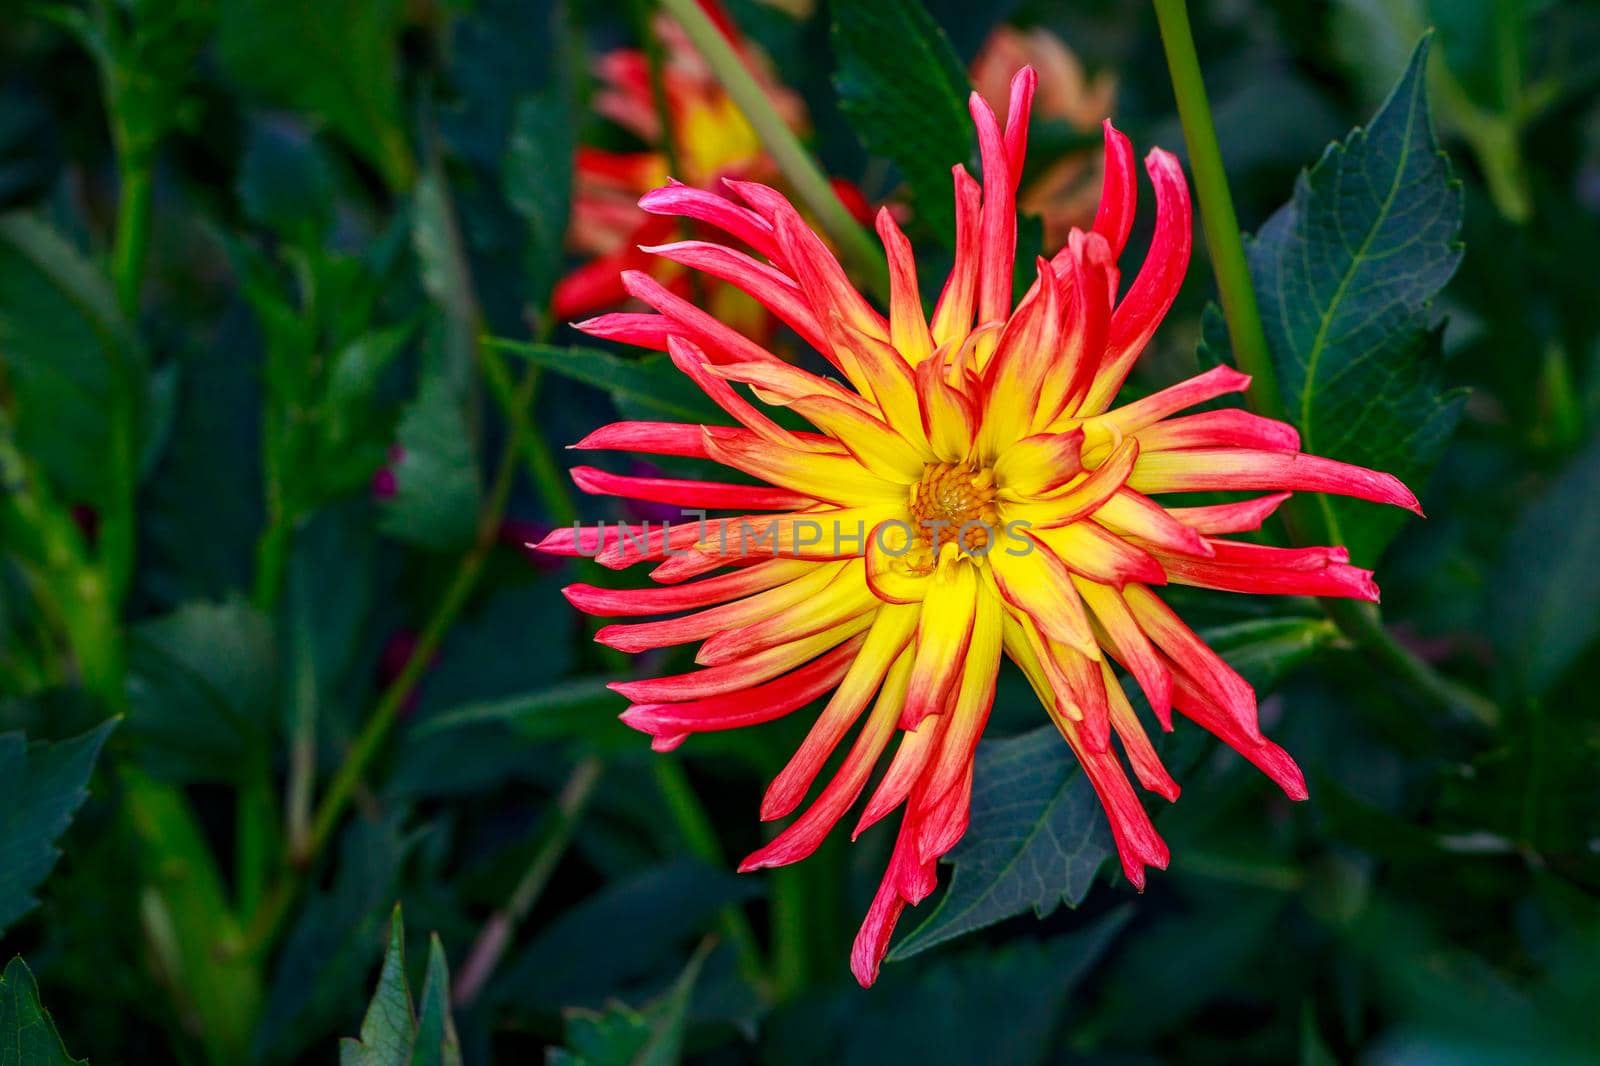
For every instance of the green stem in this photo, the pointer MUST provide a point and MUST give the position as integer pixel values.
(302, 738)
(1363, 624)
(1360, 622)
(796, 164)
(1217, 217)
(131, 242)
(501, 927)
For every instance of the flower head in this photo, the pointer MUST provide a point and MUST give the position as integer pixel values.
(967, 492)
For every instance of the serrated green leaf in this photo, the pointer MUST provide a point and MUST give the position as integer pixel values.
(28, 1037)
(1036, 839)
(388, 1029)
(335, 59)
(1346, 274)
(645, 388)
(437, 1043)
(42, 785)
(393, 1033)
(622, 1036)
(1547, 595)
(904, 91)
(435, 502)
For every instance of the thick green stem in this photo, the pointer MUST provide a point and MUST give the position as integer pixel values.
(1360, 622)
(1221, 226)
(796, 164)
(131, 243)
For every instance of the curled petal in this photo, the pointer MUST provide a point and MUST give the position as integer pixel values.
(1120, 191)
(1241, 517)
(942, 637)
(1205, 469)
(1153, 291)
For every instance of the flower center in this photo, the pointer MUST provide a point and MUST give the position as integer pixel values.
(954, 504)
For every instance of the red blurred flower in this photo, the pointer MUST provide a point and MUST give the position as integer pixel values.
(710, 140)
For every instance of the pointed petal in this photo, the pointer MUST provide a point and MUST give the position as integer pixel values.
(1204, 469)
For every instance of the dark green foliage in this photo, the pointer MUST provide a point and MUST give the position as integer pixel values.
(436, 491)
(1549, 579)
(28, 1037)
(338, 62)
(1037, 840)
(1347, 273)
(394, 1031)
(42, 785)
(904, 91)
(652, 1036)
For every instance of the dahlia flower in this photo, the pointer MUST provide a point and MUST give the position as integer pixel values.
(710, 140)
(968, 492)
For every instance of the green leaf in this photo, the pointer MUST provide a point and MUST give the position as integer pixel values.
(1547, 596)
(1036, 839)
(1265, 650)
(437, 1043)
(537, 176)
(335, 59)
(647, 388)
(392, 1033)
(576, 707)
(1038, 833)
(435, 503)
(42, 785)
(388, 1031)
(620, 1034)
(904, 91)
(27, 1035)
(285, 184)
(1347, 273)
(64, 346)
(202, 689)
